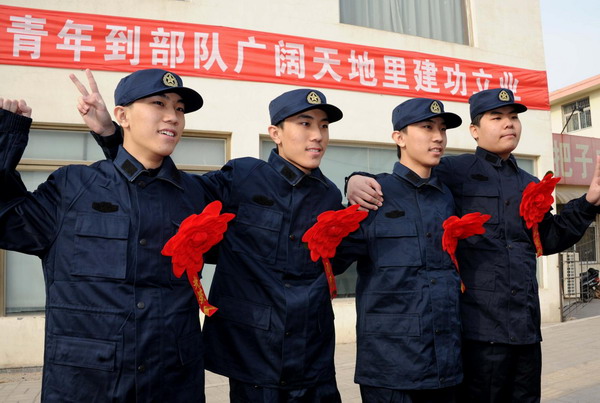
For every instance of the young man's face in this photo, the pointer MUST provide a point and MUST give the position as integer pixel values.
(499, 131)
(153, 126)
(302, 139)
(422, 145)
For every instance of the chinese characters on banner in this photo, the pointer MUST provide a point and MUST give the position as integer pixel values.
(574, 158)
(51, 38)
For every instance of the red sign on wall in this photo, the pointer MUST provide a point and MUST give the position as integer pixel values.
(574, 158)
(51, 38)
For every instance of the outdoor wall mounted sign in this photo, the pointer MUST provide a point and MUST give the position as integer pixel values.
(49, 38)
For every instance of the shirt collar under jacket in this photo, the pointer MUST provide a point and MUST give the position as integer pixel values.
(410, 176)
(131, 168)
(292, 174)
(494, 159)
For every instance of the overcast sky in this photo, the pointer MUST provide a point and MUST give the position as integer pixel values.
(571, 40)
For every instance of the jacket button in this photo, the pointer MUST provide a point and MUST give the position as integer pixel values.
(288, 333)
(437, 331)
(142, 184)
(428, 235)
(292, 237)
(433, 281)
(141, 305)
(507, 202)
(141, 368)
(282, 383)
(513, 292)
(287, 285)
(143, 242)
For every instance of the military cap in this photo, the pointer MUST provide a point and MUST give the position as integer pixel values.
(293, 102)
(148, 82)
(491, 99)
(418, 109)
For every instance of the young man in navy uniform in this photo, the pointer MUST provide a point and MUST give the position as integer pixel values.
(273, 335)
(407, 293)
(119, 325)
(500, 308)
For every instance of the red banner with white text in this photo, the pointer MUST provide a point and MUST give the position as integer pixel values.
(49, 38)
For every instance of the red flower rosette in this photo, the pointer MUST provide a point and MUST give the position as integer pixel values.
(196, 235)
(327, 233)
(460, 228)
(535, 203)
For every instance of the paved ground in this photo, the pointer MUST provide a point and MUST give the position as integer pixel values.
(571, 371)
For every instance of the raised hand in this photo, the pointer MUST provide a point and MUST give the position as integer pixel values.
(593, 194)
(17, 106)
(91, 106)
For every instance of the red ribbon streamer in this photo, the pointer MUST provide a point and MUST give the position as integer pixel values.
(535, 203)
(196, 235)
(327, 233)
(460, 228)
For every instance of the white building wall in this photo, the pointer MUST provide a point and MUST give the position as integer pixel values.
(500, 35)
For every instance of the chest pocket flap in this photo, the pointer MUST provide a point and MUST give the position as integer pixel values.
(101, 246)
(481, 197)
(259, 228)
(397, 243)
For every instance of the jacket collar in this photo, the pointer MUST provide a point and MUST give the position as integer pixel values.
(292, 174)
(494, 159)
(410, 176)
(131, 168)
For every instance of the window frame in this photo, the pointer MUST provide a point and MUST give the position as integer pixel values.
(466, 28)
(576, 109)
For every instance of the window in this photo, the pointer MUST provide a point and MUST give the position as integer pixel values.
(441, 20)
(577, 115)
(51, 147)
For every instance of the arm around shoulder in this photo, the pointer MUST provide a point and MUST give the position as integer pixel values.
(362, 188)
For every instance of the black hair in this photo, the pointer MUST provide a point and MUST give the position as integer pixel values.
(398, 151)
(476, 121)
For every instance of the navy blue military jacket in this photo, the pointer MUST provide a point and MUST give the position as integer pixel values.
(501, 302)
(407, 294)
(274, 326)
(119, 325)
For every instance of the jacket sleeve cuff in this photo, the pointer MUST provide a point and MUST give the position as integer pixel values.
(11, 122)
(586, 207)
(356, 173)
(113, 140)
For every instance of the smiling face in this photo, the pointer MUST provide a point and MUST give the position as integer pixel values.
(498, 131)
(152, 127)
(302, 139)
(422, 145)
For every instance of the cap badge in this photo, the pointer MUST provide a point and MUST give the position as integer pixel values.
(169, 80)
(313, 98)
(503, 96)
(435, 107)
